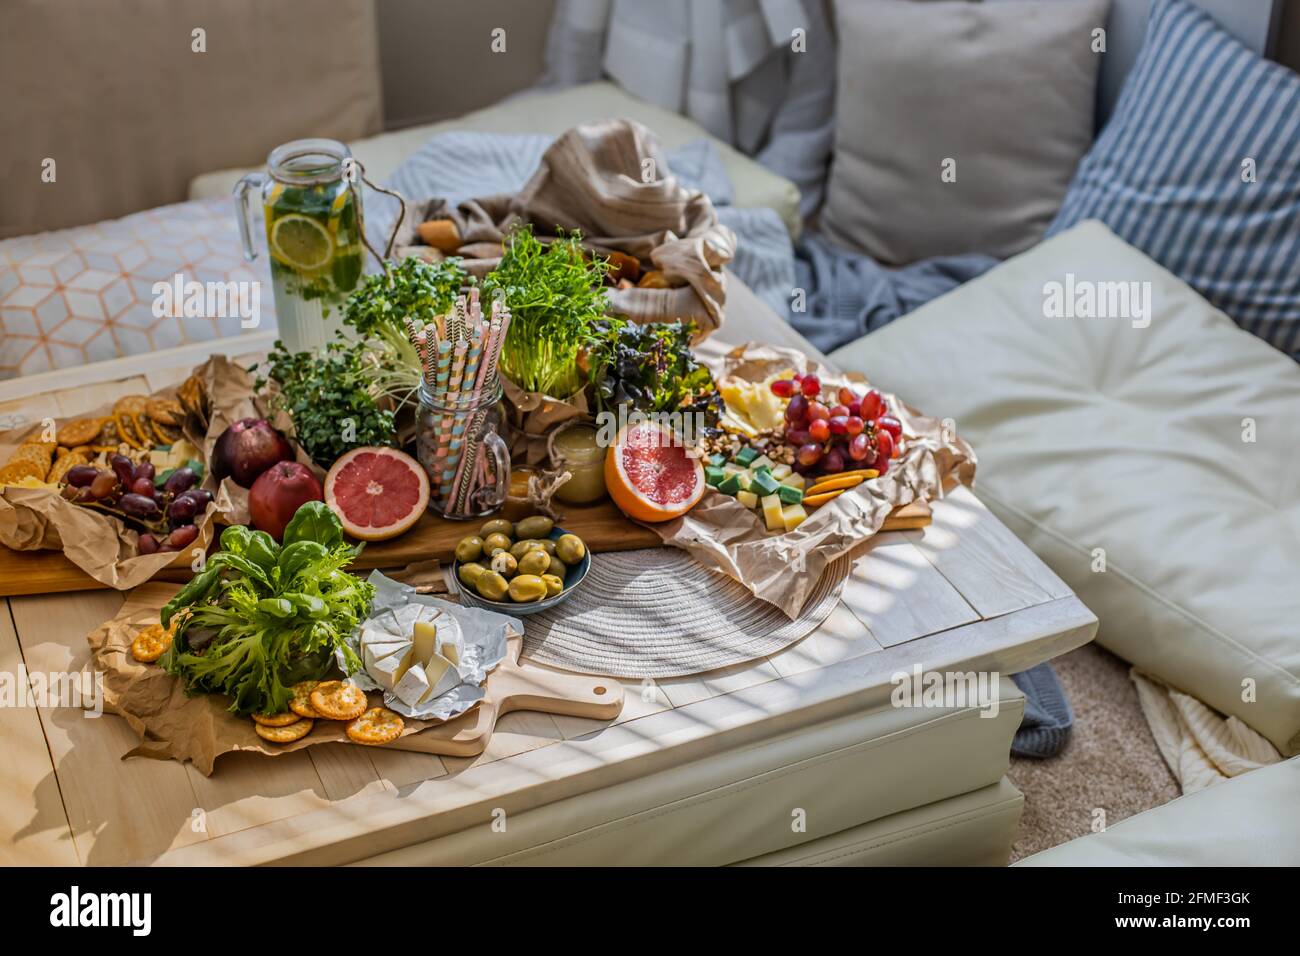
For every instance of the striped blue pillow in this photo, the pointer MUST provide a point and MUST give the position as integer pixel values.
(1170, 173)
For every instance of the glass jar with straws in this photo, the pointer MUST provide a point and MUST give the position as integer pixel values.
(458, 440)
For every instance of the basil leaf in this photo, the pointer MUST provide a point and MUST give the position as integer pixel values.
(276, 607)
(262, 550)
(299, 555)
(314, 522)
(235, 539)
(198, 588)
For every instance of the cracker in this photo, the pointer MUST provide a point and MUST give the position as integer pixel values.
(131, 405)
(18, 470)
(301, 702)
(335, 700)
(151, 643)
(168, 411)
(378, 725)
(286, 734)
(80, 431)
(275, 720)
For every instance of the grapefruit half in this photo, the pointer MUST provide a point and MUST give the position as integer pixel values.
(378, 493)
(650, 476)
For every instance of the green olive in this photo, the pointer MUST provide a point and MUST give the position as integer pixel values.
(470, 572)
(520, 548)
(469, 549)
(497, 526)
(527, 588)
(554, 584)
(492, 586)
(570, 549)
(538, 526)
(535, 562)
(558, 567)
(504, 564)
(496, 540)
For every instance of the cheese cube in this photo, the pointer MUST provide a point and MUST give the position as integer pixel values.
(747, 498)
(794, 481)
(372, 654)
(772, 513)
(782, 472)
(410, 690)
(391, 669)
(762, 461)
(793, 516)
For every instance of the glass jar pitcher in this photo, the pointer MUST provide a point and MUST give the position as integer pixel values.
(458, 443)
(314, 235)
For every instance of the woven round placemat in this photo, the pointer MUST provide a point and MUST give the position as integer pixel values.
(659, 613)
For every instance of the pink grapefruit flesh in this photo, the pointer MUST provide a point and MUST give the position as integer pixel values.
(378, 493)
(650, 476)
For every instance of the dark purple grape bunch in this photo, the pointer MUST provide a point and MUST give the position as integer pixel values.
(168, 507)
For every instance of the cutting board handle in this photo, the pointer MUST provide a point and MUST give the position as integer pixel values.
(552, 692)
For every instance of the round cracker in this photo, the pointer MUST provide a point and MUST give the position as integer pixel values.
(64, 465)
(19, 470)
(131, 404)
(151, 643)
(168, 411)
(301, 702)
(335, 700)
(378, 725)
(275, 720)
(80, 431)
(287, 734)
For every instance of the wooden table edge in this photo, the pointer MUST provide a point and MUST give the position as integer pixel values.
(333, 836)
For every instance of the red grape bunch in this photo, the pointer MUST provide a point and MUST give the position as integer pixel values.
(839, 432)
(167, 507)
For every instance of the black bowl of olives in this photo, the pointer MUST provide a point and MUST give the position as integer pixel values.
(519, 568)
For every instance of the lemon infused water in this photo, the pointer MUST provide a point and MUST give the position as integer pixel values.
(313, 225)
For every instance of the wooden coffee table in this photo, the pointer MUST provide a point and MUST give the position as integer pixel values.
(960, 594)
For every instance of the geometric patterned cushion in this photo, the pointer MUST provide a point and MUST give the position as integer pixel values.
(86, 294)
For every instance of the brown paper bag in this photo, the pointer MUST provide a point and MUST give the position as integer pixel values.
(98, 543)
(723, 534)
(171, 725)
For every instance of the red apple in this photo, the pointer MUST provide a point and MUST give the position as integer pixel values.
(278, 493)
(246, 449)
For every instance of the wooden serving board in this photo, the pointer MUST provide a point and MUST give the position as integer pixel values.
(602, 526)
(514, 686)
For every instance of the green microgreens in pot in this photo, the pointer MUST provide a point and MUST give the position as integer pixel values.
(380, 308)
(331, 397)
(555, 292)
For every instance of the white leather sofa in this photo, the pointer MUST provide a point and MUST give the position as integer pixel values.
(1123, 455)
(889, 785)
(1251, 820)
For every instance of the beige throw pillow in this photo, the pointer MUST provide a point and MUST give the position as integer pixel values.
(958, 125)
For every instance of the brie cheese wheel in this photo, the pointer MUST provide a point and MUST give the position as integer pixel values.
(388, 671)
(413, 686)
(373, 653)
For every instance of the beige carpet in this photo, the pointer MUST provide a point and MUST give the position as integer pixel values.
(1110, 764)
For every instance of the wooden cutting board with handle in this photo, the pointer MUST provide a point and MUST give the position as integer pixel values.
(515, 686)
(602, 526)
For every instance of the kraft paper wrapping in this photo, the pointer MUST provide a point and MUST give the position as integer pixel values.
(172, 725)
(103, 546)
(723, 534)
(229, 388)
(591, 179)
(533, 416)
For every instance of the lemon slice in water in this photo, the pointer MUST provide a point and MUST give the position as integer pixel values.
(301, 243)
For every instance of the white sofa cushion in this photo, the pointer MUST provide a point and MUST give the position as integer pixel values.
(553, 113)
(1095, 434)
(1249, 820)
